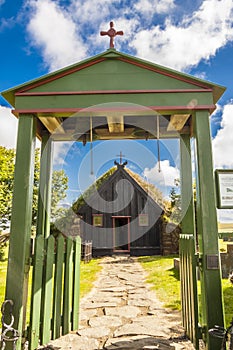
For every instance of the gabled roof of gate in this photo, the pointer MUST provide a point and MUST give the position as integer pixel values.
(129, 73)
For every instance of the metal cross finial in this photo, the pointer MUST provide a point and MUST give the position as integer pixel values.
(112, 33)
(121, 156)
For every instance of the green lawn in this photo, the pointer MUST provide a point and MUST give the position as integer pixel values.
(165, 280)
(88, 275)
(3, 267)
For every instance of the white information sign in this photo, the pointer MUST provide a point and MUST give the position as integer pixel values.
(225, 188)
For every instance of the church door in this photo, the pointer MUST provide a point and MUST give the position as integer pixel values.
(121, 234)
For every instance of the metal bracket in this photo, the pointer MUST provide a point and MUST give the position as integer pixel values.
(212, 262)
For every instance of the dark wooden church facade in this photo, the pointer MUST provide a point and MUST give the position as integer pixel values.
(120, 217)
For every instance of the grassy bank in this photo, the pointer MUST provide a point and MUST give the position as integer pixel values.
(164, 279)
(166, 283)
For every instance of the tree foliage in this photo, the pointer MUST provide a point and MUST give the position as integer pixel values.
(59, 187)
(174, 211)
(7, 161)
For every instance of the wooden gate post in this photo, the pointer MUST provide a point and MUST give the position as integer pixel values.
(187, 202)
(44, 195)
(20, 234)
(210, 270)
(42, 231)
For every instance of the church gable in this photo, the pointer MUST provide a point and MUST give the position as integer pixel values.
(117, 193)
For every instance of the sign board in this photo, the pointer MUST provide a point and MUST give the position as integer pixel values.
(224, 188)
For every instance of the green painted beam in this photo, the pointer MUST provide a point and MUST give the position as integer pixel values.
(20, 233)
(211, 288)
(40, 103)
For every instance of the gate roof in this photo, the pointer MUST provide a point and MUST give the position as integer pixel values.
(117, 90)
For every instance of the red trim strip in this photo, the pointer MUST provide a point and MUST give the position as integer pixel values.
(107, 92)
(59, 75)
(96, 109)
(157, 70)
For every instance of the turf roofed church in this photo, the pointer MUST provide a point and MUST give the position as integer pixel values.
(121, 213)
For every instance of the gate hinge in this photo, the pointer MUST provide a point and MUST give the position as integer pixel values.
(202, 331)
(199, 259)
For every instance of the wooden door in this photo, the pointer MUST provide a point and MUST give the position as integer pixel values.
(121, 234)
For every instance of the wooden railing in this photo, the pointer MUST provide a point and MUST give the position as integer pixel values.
(189, 296)
(87, 251)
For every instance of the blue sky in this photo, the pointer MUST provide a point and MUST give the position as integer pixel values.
(195, 37)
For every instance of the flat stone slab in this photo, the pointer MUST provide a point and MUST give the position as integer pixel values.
(117, 289)
(95, 332)
(137, 343)
(140, 329)
(99, 305)
(73, 341)
(108, 321)
(138, 302)
(123, 311)
(108, 298)
(86, 314)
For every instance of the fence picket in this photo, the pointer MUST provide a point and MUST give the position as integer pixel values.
(189, 287)
(48, 292)
(34, 327)
(57, 293)
(67, 299)
(76, 284)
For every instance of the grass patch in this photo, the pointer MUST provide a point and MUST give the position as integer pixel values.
(166, 283)
(164, 278)
(88, 274)
(3, 269)
(228, 297)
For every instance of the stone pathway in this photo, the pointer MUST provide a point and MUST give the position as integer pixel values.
(121, 312)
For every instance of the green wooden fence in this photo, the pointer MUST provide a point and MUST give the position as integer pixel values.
(188, 273)
(55, 289)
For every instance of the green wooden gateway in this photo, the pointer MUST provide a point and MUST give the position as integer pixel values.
(112, 96)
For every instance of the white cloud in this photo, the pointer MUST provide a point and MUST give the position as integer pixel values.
(90, 13)
(223, 142)
(165, 177)
(60, 150)
(66, 34)
(198, 36)
(152, 7)
(8, 128)
(52, 29)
